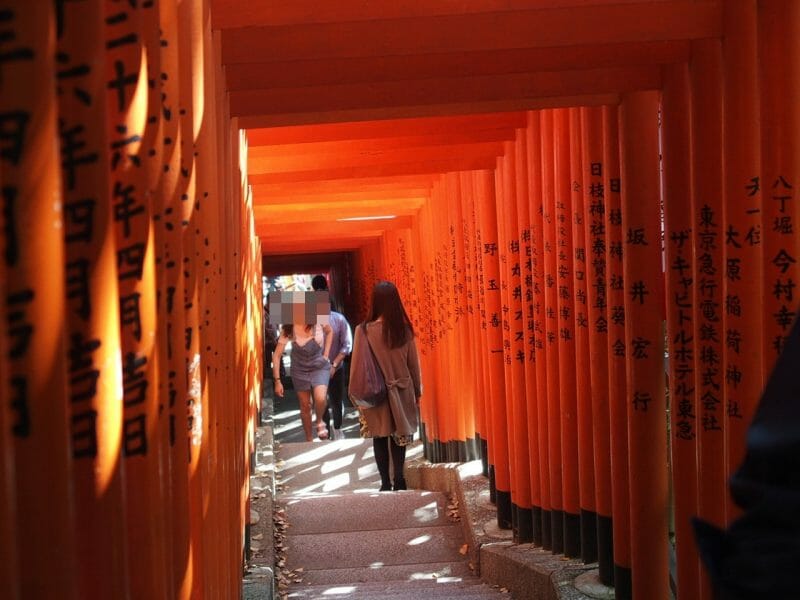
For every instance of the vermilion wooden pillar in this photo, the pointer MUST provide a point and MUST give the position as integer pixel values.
(463, 335)
(583, 371)
(741, 211)
(551, 323)
(92, 306)
(705, 74)
(191, 103)
(34, 301)
(8, 510)
(594, 202)
(204, 229)
(564, 284)
(171, 304)
(644, 354)
(535, 161)
(427, 330)
(528, 356)
(134, 177)
(474, 306)
(499, 470)
(617, 387)
(514, 355)
(681, 315)
(504, 315)
(778, 27)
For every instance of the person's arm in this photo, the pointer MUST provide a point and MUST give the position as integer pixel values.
(347, 344)
(414, 368)
(277, 356)
(326, 329)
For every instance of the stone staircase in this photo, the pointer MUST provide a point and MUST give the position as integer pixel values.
(343, 539)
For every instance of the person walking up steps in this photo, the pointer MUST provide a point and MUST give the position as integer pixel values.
(340, 348)
(311, 347)
(393, 423)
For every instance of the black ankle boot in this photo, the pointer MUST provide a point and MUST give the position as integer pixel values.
(399, 484)
(386, 486)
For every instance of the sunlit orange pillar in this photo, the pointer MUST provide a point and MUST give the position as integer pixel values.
(461, 325)
(741, 208)
(583, 382)
(499, 472)
(34, 302)
(472, 273)
(644, 314)
(779, 65)
(542, 520)
(522, 519)
(92, 307)
(190, 112)
(681, 315)
(134, 177)
(171, 305)
(594, 202)
(617, 386)
(705, 79)
(426, 329)
(204, 229)
(566, 334)
(551, 328)
(487, 444)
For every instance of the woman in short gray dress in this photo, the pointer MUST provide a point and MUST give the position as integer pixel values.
(311, 370)
(393, 423)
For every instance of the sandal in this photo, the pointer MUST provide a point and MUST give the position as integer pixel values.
(322, 431)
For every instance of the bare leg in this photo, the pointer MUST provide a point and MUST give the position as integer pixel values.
(305, 412)
(320, 406)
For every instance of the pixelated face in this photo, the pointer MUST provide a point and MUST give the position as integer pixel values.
(299, 307)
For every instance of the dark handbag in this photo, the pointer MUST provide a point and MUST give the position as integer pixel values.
(367, 385)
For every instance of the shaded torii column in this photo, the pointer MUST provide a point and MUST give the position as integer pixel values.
(594, 197)
(617, 386)
(499, 472)
(542, 522)
(565, 292)
(646, 404)
(741, 216)
(35, 303)
(583, 370)
(681, 344)
(779, 66)
(550, 270)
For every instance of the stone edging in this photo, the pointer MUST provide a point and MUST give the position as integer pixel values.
(526, 571)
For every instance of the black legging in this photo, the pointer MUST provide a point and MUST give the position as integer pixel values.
(381, 446)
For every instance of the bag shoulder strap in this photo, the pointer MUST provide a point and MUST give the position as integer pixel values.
(371, 351)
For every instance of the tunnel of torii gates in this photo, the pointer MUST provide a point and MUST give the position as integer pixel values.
(579, 189)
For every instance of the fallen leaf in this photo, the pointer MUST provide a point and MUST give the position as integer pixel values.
(464, 549)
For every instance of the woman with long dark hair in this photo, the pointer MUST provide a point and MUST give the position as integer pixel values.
(391, 424)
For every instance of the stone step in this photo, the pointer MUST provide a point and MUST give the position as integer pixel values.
(441, 590)
(403, 573)
(364, 549)
(349, 511)
(330, 466)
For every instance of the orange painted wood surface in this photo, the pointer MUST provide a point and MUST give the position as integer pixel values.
(35, 307)
(644, 317)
